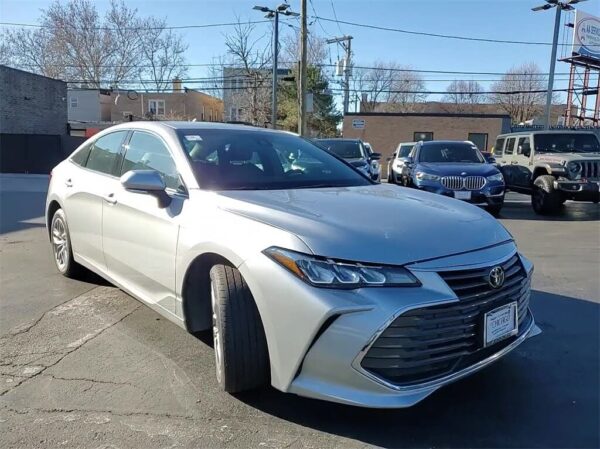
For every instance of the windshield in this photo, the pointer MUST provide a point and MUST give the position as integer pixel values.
(450, 152)
(566, 143)
(262, 160)
(347, 149)
(405, 150)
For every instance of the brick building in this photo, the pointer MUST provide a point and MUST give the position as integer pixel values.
(181, 104)
(384, 131)
(31, 104)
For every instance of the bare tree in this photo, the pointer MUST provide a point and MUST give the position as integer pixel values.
(527, 84)
(462, 95)
(75, 43)
(247, 75)
(389, 87)
(163, 55)
(317, 48)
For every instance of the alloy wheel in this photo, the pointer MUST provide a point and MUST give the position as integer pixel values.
(60, 244)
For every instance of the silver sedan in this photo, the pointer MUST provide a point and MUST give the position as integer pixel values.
(312, 278)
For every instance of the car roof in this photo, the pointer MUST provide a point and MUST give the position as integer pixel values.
(339, 139)
(193, 125)
(429, 142)
(548, 131)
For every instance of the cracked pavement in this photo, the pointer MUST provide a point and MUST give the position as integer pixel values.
(84, 365)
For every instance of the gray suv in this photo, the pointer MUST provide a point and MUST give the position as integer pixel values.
(551, 166)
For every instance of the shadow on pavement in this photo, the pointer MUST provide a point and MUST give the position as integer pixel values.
(544, 394)
(570, 211)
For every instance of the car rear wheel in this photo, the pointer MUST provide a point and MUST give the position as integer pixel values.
(241, 354)
(61, 246)
(544, 199)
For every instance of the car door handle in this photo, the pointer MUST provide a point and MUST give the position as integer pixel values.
(514, 163)
(110, 198)
(69, 183)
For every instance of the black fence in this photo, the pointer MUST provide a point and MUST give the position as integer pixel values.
(34, 153)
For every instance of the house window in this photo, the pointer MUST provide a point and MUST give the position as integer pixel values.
(480, 140)
(74, 102)
(422, 135)
(156, 107)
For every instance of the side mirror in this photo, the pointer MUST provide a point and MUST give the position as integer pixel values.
(490, 159)
(149, 182)
(409, 161)
(526, 150)
(375, 156)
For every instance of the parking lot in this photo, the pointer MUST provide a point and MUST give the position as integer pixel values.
(85, 365)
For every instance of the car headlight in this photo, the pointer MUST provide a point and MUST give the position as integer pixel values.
(324, 272)
(497, 177)
(574, 170)
(422, 176)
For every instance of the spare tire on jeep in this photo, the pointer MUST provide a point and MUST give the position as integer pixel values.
(544, 198)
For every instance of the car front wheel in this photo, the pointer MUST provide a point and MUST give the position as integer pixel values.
(61, 246)
(544, 198)
(241, 354)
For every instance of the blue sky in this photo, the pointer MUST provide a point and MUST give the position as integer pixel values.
(496, 19)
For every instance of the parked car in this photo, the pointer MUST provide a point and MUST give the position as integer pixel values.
(355, 152)
(456, 169)
(551, 166)
(318, 281)
(375, 164)
(397, 161)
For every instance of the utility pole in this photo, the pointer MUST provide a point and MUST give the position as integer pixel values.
(274, 14)
(346, 43)
(302, 118)
(566, 5)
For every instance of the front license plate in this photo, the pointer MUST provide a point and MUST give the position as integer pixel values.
(462, 195)
(500, 323)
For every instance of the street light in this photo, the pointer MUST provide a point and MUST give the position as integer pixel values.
(560, 6)
(274, 13)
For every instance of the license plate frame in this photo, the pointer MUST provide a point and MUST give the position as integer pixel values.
(462, 195)
(500, 323)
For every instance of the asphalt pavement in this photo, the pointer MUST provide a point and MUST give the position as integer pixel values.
(84, 365)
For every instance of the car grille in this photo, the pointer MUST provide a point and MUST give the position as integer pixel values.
(460, 182)
(430, 342)
(590, 170)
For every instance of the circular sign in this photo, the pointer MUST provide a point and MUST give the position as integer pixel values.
(587, 37)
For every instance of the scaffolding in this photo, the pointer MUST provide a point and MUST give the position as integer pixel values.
(583, 97)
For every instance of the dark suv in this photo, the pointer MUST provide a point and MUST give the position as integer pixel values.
(355, 152)
(456, 169)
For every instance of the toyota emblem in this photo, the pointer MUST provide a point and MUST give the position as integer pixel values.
(496, 277)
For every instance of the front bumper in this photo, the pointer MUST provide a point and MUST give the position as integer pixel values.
(317, 337)
(492, 193)
(578, 190)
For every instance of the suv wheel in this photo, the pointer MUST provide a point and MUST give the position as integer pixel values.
(544, 199)
(61, 246)
(241, 354)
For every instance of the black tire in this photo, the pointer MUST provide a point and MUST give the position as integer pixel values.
(61, 247)
(391, 179)
(241, 353)
(544, 199)
(495, 210)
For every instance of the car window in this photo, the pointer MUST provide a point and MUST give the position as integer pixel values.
(104, 152)
(498, 147)
(80, 157)
(566, 142)
(347, 149)
(405, 150)
(457, 152)
(523, 144)
(148, 152)
(510, 143)
(252, 160)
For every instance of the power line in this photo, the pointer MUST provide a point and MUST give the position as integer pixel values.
(336, 19)
(422, 33)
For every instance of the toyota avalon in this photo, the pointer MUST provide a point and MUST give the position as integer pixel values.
(312, 277)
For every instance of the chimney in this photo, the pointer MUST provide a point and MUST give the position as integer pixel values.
(177, 85)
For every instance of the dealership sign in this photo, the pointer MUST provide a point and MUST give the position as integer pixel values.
(586, 37)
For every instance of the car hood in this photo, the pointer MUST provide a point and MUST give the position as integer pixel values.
(456, 169)
(561, 157)
(376, 223)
